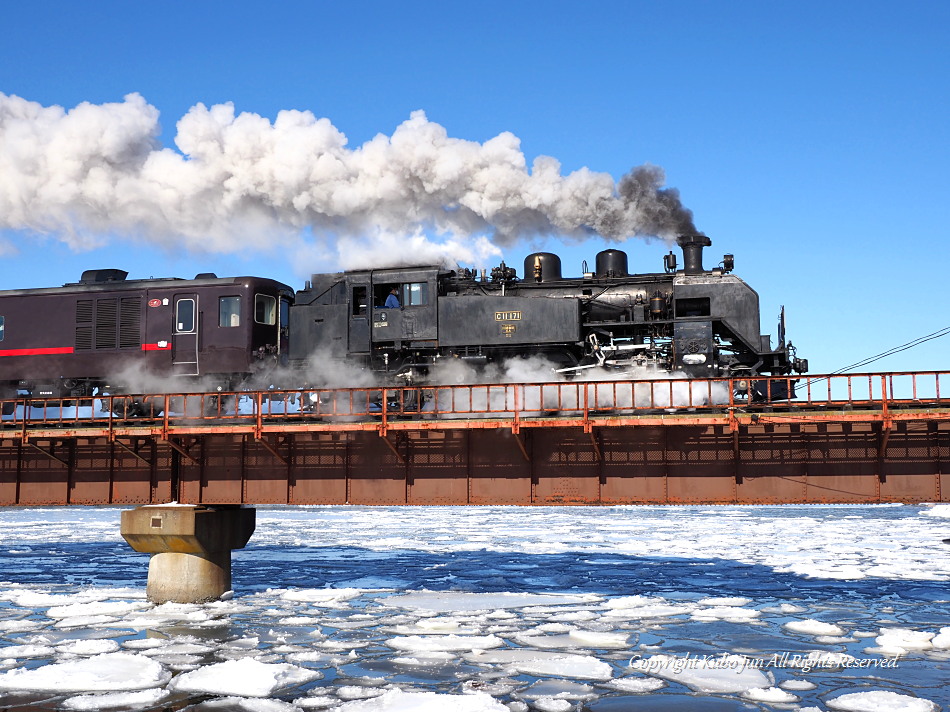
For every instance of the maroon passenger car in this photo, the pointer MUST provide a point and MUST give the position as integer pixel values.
(106, 332)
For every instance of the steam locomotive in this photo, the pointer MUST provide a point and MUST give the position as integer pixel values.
(698, 322)
(106, 333)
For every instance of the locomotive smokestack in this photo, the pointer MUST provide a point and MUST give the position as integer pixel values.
(693, 252)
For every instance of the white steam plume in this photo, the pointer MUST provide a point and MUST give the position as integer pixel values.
(239, 182)
(536, 389)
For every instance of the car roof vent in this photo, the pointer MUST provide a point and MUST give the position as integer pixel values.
(96, 276)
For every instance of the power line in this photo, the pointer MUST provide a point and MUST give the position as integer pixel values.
(897, 349)
(890, 352)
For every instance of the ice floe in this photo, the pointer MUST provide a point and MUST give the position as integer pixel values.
(938, 510)
(109, 672)
(897, 641)
(87, 647)
(22, 652)
(445, 642)
(246, 677)
(113, 700)
(768, 694)
(399, 701)
(558, 689)
(881, 701)
(316, 702)
(322, 596)
(447, 601)
(720, 673)
(245, 704)
(813, 627)
(576, 639)
(637, 684)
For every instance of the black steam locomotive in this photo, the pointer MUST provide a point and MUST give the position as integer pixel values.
(109, 334)
(702, 323)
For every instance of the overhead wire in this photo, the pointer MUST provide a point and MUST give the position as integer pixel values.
(890, 352)
(897, 349)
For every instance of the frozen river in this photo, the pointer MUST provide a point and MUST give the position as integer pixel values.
(483, 609)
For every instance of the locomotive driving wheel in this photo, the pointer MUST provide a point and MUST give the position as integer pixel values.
(131, 407)
(562, 358)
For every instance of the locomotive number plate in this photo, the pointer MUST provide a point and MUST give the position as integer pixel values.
(508, 316)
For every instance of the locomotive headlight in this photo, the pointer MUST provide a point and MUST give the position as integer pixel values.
(693, 359)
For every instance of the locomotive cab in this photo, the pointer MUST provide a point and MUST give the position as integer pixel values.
(346, 315)
(413, 325)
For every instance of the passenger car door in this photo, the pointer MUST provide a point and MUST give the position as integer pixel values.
(185, 335)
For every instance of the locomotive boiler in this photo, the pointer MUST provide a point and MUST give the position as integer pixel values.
(699, 322)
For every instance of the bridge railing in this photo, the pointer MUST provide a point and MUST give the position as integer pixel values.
(475, 401)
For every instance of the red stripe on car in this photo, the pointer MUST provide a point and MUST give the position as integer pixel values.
(37, 352)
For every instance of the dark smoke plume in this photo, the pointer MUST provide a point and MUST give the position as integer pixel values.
(658, 209)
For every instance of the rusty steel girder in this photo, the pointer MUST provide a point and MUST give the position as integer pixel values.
(774, 460)
(866, 438)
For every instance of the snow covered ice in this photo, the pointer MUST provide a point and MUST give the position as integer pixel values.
(492, 609)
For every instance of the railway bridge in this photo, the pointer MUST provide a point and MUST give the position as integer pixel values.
(842, 438)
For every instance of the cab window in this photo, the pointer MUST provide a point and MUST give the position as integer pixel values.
(415, 294)
(359, 302)
(265, 309)
(229, 311)
(1, 328)
(284, 313)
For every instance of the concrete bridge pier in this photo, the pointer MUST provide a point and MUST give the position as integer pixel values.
(190, 546)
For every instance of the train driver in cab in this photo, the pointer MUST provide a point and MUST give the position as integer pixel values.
(392, 301)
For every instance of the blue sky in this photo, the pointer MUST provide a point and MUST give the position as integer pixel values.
(809, 139)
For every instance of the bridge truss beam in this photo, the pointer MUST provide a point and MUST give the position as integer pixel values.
(766, 458)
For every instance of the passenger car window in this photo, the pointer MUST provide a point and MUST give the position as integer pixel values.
(265, 309)
(229, 311)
